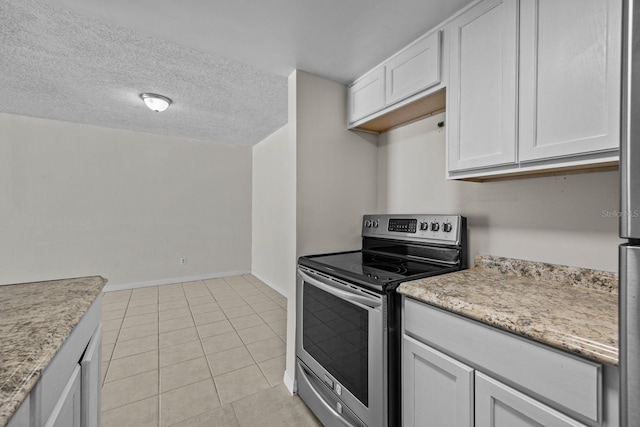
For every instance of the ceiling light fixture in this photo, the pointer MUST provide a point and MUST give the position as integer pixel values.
(155, 102)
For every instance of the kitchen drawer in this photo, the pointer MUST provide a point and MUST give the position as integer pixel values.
(561, 380)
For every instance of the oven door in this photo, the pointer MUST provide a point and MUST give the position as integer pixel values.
(341, 340)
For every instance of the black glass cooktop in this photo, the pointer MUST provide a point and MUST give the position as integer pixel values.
(373, 269)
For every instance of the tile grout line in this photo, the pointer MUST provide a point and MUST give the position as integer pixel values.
(244, 344)
(204, 351)
(115, 343)
(249, 351)
(200, 339)
(159, 367)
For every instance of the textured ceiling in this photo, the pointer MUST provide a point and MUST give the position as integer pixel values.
(223, 62)
(57, 66)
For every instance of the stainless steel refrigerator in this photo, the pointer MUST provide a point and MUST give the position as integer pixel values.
(630, 219)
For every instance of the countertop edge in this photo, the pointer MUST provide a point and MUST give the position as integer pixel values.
(476, 295)
(30, 376)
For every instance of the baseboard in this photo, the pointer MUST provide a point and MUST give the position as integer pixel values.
(290, 383)
(170, 281)
(273, 286)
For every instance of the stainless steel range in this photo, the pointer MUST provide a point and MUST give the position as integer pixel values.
(347, 338)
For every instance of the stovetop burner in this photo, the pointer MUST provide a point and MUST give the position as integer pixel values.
(389, 268)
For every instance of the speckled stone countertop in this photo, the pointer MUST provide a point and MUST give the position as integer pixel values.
(569, 308)
(35, 319)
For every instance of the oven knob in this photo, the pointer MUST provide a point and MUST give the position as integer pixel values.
(424, 226)
(367, 223)
(435, 226)
(446, 227)
(376, 223)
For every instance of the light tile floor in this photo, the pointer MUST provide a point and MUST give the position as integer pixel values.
(205, 353)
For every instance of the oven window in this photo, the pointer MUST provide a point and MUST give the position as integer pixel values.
(336, 334)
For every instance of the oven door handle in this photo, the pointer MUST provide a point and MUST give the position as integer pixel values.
(344, 294)
(319, 397)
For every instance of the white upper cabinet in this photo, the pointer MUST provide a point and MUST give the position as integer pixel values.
(534, 86)
(481, 97)
(366, 96)
(398, 91)
(569, 77)
(414, 69)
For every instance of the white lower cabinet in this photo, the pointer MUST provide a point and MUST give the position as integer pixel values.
(498, 405)
(436, 390)
(90, 367)
(457, 372)
(68, 392)
(66, 413)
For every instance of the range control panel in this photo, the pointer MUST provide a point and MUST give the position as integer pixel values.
(443, 228)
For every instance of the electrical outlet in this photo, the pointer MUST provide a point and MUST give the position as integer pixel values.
(183, 261)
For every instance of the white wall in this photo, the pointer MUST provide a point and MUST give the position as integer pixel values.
(274, 212)
(556, 219)
(333, 185)
(336, 169)
(81, 200)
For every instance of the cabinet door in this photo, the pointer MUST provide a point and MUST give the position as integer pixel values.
(569, 77)
(366, 96)
(415, 69)
(90, 366)
(66, 413)
(500, 406)
(436, 389)
(22, 417)
(481, 98)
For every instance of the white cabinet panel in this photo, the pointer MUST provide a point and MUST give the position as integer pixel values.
(22, 416)
(566, 380)
(500, 406)
(482, 87)
(436, 389)
(414, 69)
(569, 77)
(66, 412)
(366, 95)
(91, 388)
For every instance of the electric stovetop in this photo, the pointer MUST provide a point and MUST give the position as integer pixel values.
(376, 271)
